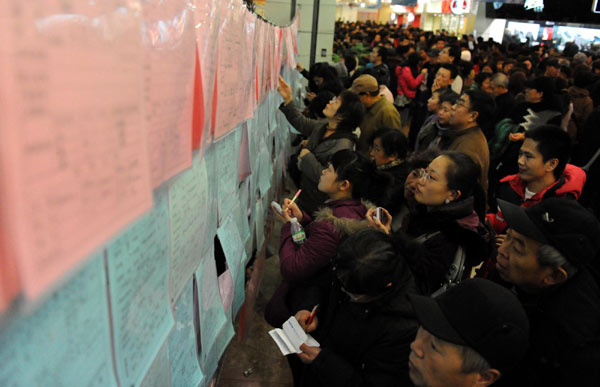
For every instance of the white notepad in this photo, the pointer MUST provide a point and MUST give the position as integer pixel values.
(291, 337)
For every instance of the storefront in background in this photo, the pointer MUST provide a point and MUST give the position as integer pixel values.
(457, 17)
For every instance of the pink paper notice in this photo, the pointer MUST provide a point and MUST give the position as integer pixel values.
(73, 158)
(232, 77)
(169, 40)
(207, 21)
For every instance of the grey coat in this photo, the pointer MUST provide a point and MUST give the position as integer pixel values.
(321, 150)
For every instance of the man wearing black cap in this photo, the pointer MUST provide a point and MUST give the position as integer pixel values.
(550, 256)
(470, 335)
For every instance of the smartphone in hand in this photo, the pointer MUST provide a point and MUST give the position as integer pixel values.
(277, 207)
(379, 215)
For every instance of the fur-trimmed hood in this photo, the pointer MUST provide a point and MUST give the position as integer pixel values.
(347, 216)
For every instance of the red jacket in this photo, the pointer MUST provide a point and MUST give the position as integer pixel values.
(407, 84)
(512, 189)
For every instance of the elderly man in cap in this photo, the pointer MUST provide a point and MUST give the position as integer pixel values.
(380, 112)
(549, 257)
(471, 335)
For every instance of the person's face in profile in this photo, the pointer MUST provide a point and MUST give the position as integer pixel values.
(435, 362)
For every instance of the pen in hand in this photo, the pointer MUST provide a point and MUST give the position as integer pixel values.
(313, 313)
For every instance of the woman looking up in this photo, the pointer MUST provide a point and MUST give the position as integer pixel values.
(448, 193)
(388, 148)
(348, 178)
(344, 113)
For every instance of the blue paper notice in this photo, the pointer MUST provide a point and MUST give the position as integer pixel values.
(185, 369)
(138, 268)
(159, 374)
(259, 223)
(189, 202)
(236, 256)
(66, 342)
(265, 170)
(212, 316)
(228, 155)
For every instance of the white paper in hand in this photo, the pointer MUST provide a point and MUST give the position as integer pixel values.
(291, 337)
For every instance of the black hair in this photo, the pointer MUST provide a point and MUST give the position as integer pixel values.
(393, 141)
(582, 78)
(481, 77)
(454, 51)
(352, 111)
(450, 67)
(331, 80)
(350, 61)
(367, 261)
(421, 159)
(552, 62)
(412, 62)
(367, 182)
(482, 103)
(463, 175)
(382, 51)
(516, 83)
(447, 95)
(318, 104)
(552, 143)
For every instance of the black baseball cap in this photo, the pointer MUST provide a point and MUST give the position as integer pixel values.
(559, 222)
(479, 314)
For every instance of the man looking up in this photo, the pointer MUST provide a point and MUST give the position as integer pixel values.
(504, 100)
(549, 257)
(448, 55)
(471, 335)
(377, 59)
(380, 112)
(469, 114)
(444, 76)
(543, 173)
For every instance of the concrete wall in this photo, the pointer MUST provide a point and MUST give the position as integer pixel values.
(346, 13)
(278, 12)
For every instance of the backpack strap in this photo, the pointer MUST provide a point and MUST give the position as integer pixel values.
(455, 273)
(592, 161)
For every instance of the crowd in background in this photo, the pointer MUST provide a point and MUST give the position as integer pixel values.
(426, 160)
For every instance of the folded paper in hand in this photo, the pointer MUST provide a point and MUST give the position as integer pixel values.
(291, 337)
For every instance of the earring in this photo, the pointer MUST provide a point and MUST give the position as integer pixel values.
(446, 201)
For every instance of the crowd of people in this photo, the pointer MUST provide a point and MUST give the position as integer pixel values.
(450, 205)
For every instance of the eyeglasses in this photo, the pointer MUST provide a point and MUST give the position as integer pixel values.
(423, 174)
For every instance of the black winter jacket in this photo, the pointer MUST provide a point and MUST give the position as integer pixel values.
(457, 224)
(564, 336)
(365, 344)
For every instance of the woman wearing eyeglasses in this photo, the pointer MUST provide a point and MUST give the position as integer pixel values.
(446, 195)
(343, 113)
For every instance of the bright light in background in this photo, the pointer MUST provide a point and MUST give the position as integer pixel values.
(393, 17)
(363, 5)
(410, 17)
